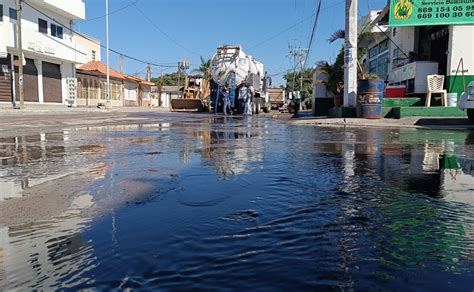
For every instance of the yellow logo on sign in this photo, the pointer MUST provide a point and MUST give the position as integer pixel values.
(403, 9)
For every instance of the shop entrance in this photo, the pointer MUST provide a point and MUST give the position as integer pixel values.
(433, 45)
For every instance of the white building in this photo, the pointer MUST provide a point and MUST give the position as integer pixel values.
(88, 45)
(131, 90)
(50, 49)
(436, 49)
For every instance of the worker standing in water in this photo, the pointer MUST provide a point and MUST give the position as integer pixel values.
(248, 101)
(242, 97)
(225, 95)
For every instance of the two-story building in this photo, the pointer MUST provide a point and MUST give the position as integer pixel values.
(51, 50)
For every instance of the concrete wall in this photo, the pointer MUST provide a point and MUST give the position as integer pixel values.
(131, 93)
(87, 46)
(74, 9)
(319, 88)
(166, 100)
(68, 70)
(404, 37)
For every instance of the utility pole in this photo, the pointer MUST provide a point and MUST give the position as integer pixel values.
(122, 64)
(182, 66)
(179, 77)
(303, 54)
(21, 90)
(107, 105)
(350, 55)
(148, 73)
(297, 56)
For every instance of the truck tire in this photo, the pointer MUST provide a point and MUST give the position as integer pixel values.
(470, 115)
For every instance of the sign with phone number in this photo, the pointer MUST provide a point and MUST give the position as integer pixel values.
(431, 12)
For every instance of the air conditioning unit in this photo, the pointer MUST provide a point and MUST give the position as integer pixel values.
(71, 91)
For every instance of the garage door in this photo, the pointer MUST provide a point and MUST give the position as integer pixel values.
(30, 80)
(5, 79)
(52, 89)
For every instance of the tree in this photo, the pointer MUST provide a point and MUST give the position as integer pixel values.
(170, 79)
(337, 35)
(335, 74)
(367, 35)
(204, 69)
(307, 90)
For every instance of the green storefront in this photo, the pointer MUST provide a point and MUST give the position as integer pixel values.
(442, 32)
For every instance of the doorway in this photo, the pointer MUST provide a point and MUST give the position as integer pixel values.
(433, 45)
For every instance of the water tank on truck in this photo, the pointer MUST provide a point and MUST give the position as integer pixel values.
(232, 62)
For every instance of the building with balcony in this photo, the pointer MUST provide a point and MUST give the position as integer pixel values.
(51, 50)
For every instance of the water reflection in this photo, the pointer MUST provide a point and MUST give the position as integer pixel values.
(27, 161)
(237, 203)
(38, 255)
(230, 145)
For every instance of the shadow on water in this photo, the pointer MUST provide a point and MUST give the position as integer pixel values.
(247, 203)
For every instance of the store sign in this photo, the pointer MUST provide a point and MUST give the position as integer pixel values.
(431, 12)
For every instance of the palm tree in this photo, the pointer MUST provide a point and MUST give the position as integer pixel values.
(341, 34)
(337, 35)
(335, 76)
(204, 69)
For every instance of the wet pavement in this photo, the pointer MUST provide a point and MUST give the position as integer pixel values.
(208, 202)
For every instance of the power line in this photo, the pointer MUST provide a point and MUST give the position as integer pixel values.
(110, 13)
(164, 33)
(293, 26)
(91, 40)
(280, 33)
(313, 31)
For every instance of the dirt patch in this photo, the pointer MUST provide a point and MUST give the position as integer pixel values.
(43, 201)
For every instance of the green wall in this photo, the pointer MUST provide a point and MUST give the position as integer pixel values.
(456, 83)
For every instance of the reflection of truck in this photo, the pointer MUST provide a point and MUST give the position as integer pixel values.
(230, 66)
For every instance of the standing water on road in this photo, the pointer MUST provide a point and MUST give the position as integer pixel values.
(238, 203)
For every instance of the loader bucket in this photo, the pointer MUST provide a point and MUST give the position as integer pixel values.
(186, 105)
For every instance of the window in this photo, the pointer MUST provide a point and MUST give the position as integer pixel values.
(12, 13)
(373, 65)
(396, 53)
(373, 52)
(42, 26)
(56, 31)
(379, 59)
(1, 12)
(382, 65)
(93, 55)
(383, 46)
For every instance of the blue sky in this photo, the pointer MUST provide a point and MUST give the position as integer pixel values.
(186, 29)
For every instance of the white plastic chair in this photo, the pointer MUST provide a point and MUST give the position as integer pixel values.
(435, 85)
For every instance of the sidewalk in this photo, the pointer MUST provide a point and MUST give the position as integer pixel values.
(7, 109)
(409, 122)
(38, 118)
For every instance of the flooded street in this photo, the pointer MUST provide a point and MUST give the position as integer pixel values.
(210, 202)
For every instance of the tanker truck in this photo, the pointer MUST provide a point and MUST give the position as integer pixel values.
(231, 67)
